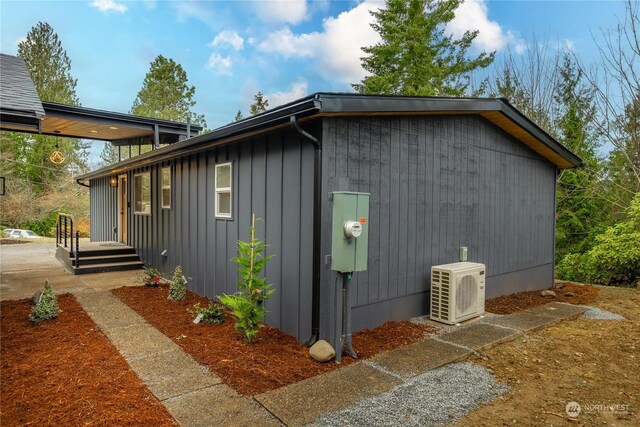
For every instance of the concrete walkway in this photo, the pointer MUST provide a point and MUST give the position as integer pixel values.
(302, 403)
(192, 394)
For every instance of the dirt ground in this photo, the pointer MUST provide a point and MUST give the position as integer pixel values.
(273, 360)
(572, 293)
(595, 363)
(65, 372)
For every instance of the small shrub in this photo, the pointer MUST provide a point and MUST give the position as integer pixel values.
(178, 288)
(213, 313)
(151, 277)
(46, 306)
(246, 305)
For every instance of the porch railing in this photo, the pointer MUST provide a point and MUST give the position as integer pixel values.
(64, 234)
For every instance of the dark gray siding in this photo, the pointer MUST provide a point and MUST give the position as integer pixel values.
(437, 183)
(272, 177)
(103, 201)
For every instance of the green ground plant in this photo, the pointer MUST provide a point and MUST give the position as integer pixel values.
(213, 313)
(46, 305)
(151, 277)
(615, 257)
(246, 304)
(178, 287)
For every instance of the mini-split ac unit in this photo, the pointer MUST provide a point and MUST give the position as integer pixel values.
(457, 292)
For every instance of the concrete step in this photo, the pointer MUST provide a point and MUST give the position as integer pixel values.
(105, 259)
(100, 268)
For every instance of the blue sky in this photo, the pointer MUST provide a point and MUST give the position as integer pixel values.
(286, 49)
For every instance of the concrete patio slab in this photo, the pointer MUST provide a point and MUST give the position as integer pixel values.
(523, 321)
(419, 357)
(558, 310)
(169, 374)
(218, 406)
(301, 403)
(139, 341)
(479, 336)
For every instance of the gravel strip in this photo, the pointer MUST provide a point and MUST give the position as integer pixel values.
(435, 397)
(599, 314)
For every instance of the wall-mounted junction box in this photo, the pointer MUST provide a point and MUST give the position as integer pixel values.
(350, 231)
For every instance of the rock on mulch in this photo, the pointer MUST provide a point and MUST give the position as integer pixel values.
(595, 313)
(66, 372)
(570, 292)
(273, 360)
(435, 397)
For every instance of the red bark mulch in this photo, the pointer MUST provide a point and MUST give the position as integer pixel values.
(273, 360)
(571, 293)
(66, 372)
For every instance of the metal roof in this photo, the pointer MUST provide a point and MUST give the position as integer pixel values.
(18, 96)
(496, 110)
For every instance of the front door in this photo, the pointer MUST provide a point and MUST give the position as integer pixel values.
(122, 209)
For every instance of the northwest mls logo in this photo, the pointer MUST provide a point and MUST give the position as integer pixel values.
(573, 409)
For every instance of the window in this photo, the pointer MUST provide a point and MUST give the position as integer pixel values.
(223, 190)
(142, 193)
(166, 188)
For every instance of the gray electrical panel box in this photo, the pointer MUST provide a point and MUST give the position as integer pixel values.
(350, 231)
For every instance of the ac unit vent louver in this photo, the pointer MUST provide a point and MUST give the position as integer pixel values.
(457, 291)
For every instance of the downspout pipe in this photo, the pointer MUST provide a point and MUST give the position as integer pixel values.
(317, 221)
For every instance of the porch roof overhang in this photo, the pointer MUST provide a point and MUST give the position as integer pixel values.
(82, 122)
(496, 110)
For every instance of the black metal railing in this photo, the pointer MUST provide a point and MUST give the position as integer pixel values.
(64, 234)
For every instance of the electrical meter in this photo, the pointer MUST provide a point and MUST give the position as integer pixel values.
(352, 229)
(350, 237)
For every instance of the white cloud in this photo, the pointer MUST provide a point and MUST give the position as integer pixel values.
(194, 9)
(472, 15)
(569, 45)
(230, 38)
(289, 45)
(296, 91)
(337, 47)
(282, 11)
(109, 6)
(220, 64)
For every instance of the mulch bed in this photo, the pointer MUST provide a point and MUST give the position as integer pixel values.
(12, 241)
(273, 360)
(66, 372)
(571, 293)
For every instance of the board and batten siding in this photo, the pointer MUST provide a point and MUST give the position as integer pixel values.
(437, 183)
(272, 177)
(103, 206)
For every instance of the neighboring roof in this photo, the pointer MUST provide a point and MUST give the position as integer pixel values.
(18, 96)
(496, 110)
(22, 111)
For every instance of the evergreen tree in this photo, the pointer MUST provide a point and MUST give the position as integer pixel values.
(260, 104)
(166, 95)
(25, 157)
(239, 116)
(415, 55)
(109, 154)
(581, 210)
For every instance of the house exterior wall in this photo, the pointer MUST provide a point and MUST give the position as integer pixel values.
(103, 206)
(437, 183)
(272, 177)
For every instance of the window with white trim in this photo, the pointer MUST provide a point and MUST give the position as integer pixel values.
(223, 190)
(142, 193)
(166, 188)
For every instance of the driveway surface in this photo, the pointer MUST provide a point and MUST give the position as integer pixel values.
(25, 267)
